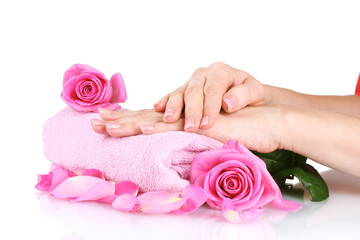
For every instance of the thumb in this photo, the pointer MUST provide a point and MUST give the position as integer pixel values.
(249, 93)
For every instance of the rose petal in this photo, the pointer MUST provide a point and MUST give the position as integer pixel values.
(118, 85)
(75, 70)
(283, 204)
(195, 197)
(95, 73)
(47, 182)
(60, 175)
(75, 186)
(93, 173)
(203, 163)
(97, 191)
(126, 202)
(100, 91)
(43, 182)
(126, 187)
(232, 214)
(108, 199)
(160, 202)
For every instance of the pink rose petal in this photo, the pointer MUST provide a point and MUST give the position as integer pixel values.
(235, 216)
(118, 85)
(108, 199)
(60, 175)
(75, 186)
(195, 197)
(283, 204)
(75, 70)
(160, 202)
(126, 187)
(47, 182)
(93, 173)
(97, 191)
(43, 182)
(126, 202)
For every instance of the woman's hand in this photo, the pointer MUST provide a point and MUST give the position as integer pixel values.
(258, 128)
(208, 90)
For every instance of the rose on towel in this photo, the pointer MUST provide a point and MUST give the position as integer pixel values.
(86, 89)
(237, 181)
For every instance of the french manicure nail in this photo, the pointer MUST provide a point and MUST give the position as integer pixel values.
(97, 122)
(113, 125)
(168, 113)
(104, 111)
(204, 121)
(189, 123)
(145, 128)
(230, 101)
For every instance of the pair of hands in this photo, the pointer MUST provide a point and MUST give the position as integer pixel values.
(211, 103)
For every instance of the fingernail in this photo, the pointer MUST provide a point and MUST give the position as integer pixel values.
(113, 125)
(104, 111)
(97, 122)
(168, 113)
(157, 103)
(230, 101)
(145, 128)
(204, 121)
(189, 123)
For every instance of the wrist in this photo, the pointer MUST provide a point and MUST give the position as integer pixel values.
(288, 121)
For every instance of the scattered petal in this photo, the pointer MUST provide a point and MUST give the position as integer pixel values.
(160, 202)
(195, 197)
(44, 182)
(283, 204)
(92, 172)
(233, 215)
(126, 202)
(97, 191)
(126, 187)
(47, 182)
(75, 186)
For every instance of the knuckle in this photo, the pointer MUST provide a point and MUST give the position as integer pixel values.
(178, 93)
(190, 91)
(211, 90)
(217, 66)
(198, 71)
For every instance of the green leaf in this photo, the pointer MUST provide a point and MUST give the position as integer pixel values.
(310, 178)
(280, 159)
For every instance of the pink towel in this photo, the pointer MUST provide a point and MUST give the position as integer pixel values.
(153, 162)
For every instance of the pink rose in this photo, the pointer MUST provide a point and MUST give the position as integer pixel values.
(86, 89)
(237, 181)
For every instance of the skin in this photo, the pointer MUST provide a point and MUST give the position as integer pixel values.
(263, 118)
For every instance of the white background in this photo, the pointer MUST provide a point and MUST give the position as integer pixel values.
(308, 46)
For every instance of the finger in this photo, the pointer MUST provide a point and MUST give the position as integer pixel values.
(174, 105)
(98, 126)
(108, 115)
(115, 129)
(160, 105)
(194, 100)
(162, 127)
(249, 93)
(219, 78)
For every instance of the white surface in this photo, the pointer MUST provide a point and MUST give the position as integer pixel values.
(308, 46)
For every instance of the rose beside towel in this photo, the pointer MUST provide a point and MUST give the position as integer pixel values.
(151, 173)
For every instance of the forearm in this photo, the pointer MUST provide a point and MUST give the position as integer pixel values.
(342, 104)
(329, 138)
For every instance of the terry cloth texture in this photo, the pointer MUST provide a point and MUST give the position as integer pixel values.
(153, 162)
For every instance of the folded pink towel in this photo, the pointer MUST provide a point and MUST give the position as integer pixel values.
(153, 162)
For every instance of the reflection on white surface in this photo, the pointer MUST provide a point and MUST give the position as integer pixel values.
(337, 217)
